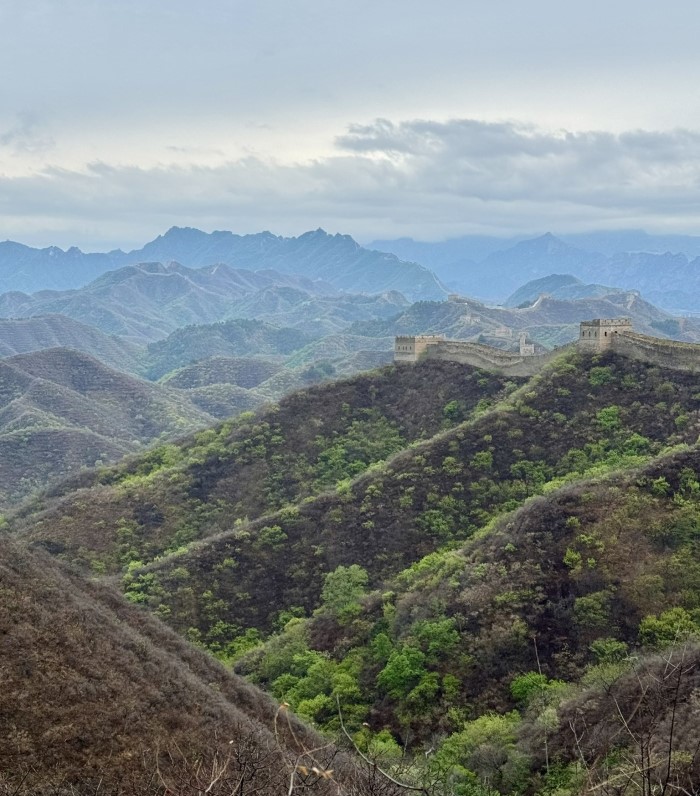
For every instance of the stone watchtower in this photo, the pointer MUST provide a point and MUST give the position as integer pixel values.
(599, 334)
(407, 348)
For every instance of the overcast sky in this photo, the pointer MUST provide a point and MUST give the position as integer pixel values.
(121, 118)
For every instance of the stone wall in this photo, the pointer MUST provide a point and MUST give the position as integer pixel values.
(488, 358)
(654, 350)
(666, 353)
(408, 348)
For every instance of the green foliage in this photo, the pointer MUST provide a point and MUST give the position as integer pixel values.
(609, 650)
(437, 638)
(525, 685)
(403, 672)
(342, 590)
(671, 627)
(598, 376)
(368, 439)
(609, 418)
(454, 411)
(483, 757)
(592, 611)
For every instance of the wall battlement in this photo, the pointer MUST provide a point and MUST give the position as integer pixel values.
(600, 334)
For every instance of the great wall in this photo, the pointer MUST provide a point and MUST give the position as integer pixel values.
(601, 334)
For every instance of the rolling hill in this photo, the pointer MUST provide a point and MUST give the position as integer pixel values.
(62, 410)
(22, 335)
(147, 301)
(486, 573)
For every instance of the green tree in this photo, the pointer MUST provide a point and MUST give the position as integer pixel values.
(342, 590)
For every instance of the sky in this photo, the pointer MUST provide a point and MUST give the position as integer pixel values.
(381, 119)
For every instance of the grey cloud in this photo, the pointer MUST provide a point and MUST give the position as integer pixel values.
(27, 135)
(423, 178)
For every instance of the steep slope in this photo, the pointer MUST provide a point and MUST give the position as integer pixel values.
(22, 335)
(251, 465)
(98, 697)
(538, 640)
(61, 410)
(581, 413)
(405, 588)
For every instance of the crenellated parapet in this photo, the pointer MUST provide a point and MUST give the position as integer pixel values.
(600, 334)
(407, 348)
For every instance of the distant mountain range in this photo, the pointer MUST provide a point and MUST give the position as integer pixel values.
(148, 301)
(225, 338)
(666, 269)
(335, 259)
(547, 320)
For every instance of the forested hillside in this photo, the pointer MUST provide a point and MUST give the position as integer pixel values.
(486, 573)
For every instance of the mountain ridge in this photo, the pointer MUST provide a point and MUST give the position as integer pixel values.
(317, 255)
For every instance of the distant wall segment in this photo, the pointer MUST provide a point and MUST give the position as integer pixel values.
(600, 334)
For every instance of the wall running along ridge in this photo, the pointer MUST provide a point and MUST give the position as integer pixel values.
(619, 338)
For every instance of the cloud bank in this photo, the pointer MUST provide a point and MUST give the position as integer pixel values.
(427, 179)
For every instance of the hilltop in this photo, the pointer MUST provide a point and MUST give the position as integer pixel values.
(429, 544)
(548, 321)
(20, 336)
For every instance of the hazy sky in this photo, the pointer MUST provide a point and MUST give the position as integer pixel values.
(119, 119)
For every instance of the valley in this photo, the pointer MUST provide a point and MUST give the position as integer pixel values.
(240, 541)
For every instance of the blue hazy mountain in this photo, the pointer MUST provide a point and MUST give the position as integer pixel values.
(558, 286)
(665, 269)
(335, 259)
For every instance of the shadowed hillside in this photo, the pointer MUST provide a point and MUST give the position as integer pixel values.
(581, 413)
(98, 697)
(499, 579)
(313, 439)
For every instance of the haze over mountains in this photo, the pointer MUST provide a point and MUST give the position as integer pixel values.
(454, 558)
(666, 269)
(298, 310)
(336, 259)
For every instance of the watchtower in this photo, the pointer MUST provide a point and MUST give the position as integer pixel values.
(407, 348)
(599, 334)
